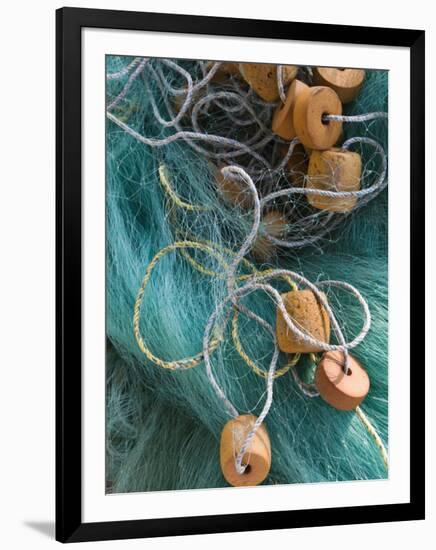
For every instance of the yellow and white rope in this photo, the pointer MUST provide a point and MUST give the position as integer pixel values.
(187, 362)
(164, 179)
(373, 433)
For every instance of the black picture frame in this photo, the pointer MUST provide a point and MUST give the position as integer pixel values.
(69, 525)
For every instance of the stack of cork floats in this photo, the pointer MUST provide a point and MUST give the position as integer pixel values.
(304, 116)
(316, 162)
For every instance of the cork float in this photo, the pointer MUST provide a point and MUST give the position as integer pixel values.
(309, 315)
(345, 82)
(262, 78)
(257, 457)
(343, 391)
(311, 105)
(337, 170)
(283, 119)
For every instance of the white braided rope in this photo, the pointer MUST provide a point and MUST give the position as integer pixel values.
(124, 71)
(356, 118)
(128, 84)
(280, 83)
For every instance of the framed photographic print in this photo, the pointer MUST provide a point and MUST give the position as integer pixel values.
(240, 269)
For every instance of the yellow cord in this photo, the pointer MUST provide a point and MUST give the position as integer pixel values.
(187, 362)
(164, 179)
(227, 251)
(373, 433)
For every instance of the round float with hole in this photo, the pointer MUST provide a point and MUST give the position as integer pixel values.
(342, 390)
(257, 457)
(283, 119)
(345, 82)
(311, 106)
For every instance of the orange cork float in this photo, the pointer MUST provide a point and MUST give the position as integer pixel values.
(309, 315)
(257, 457)
(312, 129)
(283, 119)
(343, 391)
(262, 78)
(345, 82)
(334, 170)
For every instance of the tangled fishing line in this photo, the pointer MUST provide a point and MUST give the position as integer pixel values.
(230, 111)
(225, 122)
